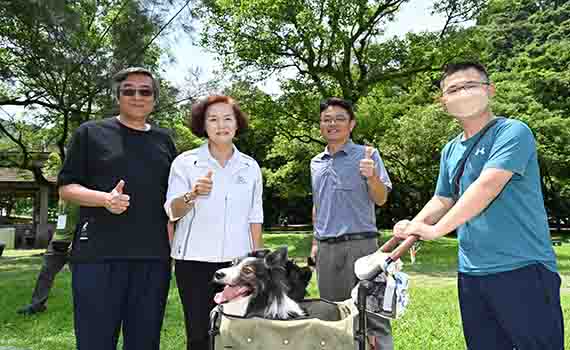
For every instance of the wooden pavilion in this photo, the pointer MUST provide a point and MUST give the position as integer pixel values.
(18, 183)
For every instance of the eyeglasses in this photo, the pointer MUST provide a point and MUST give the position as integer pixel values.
(468, 86)
(338, 119)
(141, 92)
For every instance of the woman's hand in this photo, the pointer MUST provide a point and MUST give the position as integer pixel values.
(203, 185)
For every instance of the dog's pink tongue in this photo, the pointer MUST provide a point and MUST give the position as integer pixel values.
(229, 293)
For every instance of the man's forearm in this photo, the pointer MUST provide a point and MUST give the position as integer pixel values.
(475, 199)
(377, 191)
(314, 218)
(434, 210)
(83, 196)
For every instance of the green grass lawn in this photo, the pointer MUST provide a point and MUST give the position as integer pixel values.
(432, 320)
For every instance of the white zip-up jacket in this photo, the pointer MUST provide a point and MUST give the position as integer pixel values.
(217, 228)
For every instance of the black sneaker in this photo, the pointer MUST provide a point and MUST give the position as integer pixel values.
(31, 309)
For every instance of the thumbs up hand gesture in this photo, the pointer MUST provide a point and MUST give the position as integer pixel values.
(117, 202)
(367, 166)
(203, 184)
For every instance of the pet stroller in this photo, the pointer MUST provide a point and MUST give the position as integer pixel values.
(328, 325)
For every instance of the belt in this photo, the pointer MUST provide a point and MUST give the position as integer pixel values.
(348, 237)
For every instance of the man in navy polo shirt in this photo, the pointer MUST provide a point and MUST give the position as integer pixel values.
(489, 190)
(348, 180)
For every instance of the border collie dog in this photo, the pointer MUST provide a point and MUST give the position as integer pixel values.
(264, 284)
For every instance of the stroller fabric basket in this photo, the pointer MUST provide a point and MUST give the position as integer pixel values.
(328, 326)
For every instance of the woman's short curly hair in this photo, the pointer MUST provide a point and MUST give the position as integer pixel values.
(198, 116)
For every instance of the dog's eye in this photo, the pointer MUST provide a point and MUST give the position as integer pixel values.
(248, 270)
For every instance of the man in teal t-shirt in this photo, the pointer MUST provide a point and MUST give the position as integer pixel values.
(489, 190)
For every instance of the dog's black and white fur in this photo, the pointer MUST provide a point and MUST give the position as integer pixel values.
(264, 284)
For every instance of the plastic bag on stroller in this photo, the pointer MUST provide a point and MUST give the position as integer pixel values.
(387, 286)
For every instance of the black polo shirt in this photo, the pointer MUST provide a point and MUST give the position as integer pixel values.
(100, 155)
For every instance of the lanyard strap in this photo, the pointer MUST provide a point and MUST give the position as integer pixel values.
(461, 169)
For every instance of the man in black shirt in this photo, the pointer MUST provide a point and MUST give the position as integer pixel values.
(117, 170)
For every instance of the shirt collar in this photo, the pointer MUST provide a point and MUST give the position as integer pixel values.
(205, 155)
(347, 148)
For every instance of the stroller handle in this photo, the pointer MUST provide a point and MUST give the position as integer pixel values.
(393, 242)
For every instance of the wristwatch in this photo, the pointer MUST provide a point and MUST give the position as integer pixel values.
(188, 197)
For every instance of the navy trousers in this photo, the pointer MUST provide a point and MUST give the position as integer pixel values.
(122, 294)
(517, 309)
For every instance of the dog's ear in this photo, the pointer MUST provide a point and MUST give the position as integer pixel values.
(277, 258)
(306, 274)
(259, 253)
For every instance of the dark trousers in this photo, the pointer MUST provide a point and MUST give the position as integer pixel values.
(194, 279)
(53, 262)
(518, 309)
(131, 294)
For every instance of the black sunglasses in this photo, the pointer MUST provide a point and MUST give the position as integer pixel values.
(132, 92)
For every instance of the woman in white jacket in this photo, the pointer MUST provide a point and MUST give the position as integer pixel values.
(215, 196)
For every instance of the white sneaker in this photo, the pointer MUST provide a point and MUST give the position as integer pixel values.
(367, 267)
